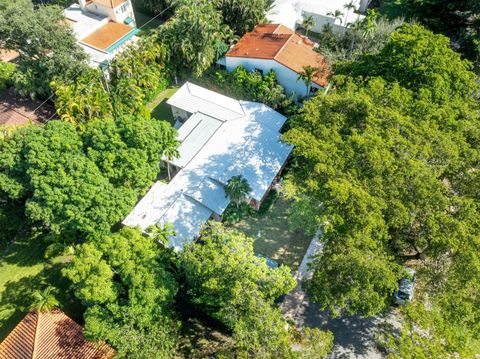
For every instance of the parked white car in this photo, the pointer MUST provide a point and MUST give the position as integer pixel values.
(406, 286)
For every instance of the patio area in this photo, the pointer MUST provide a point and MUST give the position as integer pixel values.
(273, 236)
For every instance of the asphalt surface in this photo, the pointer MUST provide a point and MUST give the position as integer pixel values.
(354, 336)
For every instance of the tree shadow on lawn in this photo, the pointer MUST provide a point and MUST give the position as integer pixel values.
(17, 297)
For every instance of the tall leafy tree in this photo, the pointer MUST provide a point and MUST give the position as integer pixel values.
(307, 75)
(196, 36)
(419, 60)
(225, 279)
(62, 189)
(389, 168)
(48, 49)
(242, 15)
(459, 20)
(123, 281)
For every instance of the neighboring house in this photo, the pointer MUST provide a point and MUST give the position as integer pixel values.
(278, 48)
(291, 13)
(103, 28)
(220, 138)
(20, 111)
(51, 335)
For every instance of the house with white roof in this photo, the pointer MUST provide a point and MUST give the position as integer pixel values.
(219, 138)
(102, 27)
(291, 13)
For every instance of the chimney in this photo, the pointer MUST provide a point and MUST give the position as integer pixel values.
(83, 4)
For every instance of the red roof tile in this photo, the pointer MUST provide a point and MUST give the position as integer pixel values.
(51, 336)
(279, 43)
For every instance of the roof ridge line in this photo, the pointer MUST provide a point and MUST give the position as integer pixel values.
(36, 334)
(243, 112)
(283, 46)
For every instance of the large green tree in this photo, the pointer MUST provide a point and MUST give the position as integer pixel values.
(242, 15)
(48, 49)
(196, 36)
(123, 281)
(388, 167)
(418, 60)
(79, 186)
(458, 19)
(225, 279)
(62, 189)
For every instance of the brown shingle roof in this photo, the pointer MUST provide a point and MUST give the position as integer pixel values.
(16, 110)
(51, 336)
(279, 43)
(107, 35)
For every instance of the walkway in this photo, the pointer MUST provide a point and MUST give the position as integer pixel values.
(354, 337)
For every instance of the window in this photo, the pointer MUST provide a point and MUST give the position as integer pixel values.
(258, 70)
(313, 90)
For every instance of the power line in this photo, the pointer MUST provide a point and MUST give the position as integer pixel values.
(78, 72)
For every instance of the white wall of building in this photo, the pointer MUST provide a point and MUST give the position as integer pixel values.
(285, 76)
(118, 14)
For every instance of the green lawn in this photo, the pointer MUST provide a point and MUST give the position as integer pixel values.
(159, 107)
(24, 270)
(273, 236)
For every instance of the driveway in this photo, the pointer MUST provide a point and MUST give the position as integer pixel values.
(354, 337)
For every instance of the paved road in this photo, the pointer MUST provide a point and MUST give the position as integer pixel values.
(354, 337)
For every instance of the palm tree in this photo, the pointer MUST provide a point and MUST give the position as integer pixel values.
(237, 189)
(348, 7)
(307, 75)
(161, 233)
(308, 23)
(337, 15)
(44, 301)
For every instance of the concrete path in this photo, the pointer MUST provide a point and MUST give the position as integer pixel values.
(354, 337)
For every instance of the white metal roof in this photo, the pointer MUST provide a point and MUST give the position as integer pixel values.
(249, 146)
(193, 98)
(194, 134)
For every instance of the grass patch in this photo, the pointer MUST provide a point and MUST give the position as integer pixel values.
(160, 110)
(273, 236)
(144, 23)
(24, 270)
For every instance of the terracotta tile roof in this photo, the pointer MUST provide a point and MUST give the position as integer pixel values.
(16, 110)
(279, 43)
(109, 3)
(8, 55)
(51, 336)
(107, 35)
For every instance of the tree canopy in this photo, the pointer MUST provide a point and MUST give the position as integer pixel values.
(225, 279)
(196, 36)
(76, 186)
(123, 281)
(387, 165)
(48, 49)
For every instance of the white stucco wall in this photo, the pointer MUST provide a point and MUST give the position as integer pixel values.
(285, 77)
(115, 14)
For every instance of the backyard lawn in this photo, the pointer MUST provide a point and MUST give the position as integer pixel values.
(273, 236)
(159, 107)
(24, 270)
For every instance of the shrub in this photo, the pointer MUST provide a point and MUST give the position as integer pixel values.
(6, 74)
